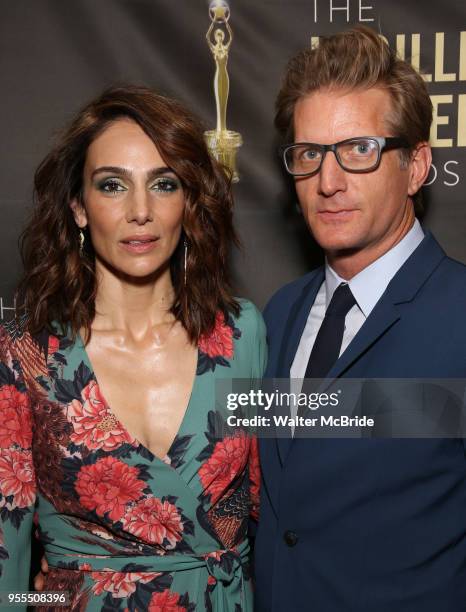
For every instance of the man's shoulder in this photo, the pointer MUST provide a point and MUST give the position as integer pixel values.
(450, 269)
(455, 267)
(450, 280)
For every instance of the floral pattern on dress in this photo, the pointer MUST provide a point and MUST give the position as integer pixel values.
(107, 485)
(156, 521)
(168, 601)
(17, 483)
(228, 458)
(92, 424)
(124, 530)
(119, 584)
(218, 347)
(16, 417)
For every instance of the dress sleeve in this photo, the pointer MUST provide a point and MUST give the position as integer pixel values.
(259, 353)
(259, 349)
(17, 480)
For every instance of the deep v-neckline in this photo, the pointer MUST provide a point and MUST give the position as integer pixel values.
(122, 426)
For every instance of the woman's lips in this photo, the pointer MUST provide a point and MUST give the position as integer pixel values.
(142, 245)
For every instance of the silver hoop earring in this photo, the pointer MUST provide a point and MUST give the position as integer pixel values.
(185, 258)
(81, 242)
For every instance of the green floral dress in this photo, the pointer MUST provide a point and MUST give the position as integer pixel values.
(123, 529)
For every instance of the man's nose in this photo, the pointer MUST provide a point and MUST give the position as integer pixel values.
(332, 177)
(140, 207)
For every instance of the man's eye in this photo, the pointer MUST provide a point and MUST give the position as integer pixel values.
(111, 186)
(165, 185)
(311, 154)
(363, 148)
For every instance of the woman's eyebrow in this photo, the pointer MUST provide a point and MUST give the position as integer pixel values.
(154, 172)
(112, 169)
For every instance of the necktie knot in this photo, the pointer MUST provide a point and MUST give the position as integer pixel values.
(342, 301)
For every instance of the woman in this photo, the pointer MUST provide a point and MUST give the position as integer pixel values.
(107, 380)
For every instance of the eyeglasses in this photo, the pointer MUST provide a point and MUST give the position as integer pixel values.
(361, 154)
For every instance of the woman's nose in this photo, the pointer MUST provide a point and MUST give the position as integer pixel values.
(139, 207)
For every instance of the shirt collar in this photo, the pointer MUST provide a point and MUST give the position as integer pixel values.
(369, 284)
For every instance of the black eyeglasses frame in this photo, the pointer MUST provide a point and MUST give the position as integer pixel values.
(385, 143)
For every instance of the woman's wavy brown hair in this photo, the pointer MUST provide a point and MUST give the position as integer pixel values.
(59, 285)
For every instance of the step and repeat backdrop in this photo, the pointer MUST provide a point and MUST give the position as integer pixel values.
(55, 56)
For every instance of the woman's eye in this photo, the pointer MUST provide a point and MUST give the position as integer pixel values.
(111, 186)
(165, 185)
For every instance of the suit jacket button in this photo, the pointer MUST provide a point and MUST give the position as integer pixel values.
(291, 539)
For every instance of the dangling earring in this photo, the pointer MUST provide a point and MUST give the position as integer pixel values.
(185, 257)
(81, 242)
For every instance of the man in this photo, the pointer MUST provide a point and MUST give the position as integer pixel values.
(376, 525)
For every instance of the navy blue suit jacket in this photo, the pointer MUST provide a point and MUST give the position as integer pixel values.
(378, 525)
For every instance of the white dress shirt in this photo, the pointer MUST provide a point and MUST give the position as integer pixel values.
(367, 287)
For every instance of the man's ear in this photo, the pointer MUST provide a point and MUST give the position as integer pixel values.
(79, 213)
(419, 167)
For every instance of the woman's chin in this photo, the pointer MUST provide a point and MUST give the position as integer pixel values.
(137, 272)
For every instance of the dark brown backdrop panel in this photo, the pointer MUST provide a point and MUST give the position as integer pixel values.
(55, 55)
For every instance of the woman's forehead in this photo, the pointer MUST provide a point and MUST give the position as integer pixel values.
(123, 143)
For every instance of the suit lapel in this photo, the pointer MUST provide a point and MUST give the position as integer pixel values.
(293, 331)
(296, 322)
(402, 289)
(377, 324)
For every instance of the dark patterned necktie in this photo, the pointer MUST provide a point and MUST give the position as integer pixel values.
(328, 341)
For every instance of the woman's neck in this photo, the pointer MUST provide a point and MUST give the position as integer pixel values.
(132, 305)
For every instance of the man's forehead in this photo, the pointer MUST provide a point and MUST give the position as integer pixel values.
(342, 114)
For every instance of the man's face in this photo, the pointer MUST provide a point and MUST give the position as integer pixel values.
(351, 212)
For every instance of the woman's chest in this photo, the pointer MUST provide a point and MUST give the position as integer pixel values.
(147, 392)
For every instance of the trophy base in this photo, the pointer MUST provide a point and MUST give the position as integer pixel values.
(223, 145)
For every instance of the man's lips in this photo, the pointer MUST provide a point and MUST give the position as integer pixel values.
(335, 215)
(334, 211)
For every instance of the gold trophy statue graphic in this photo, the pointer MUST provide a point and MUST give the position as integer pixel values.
(223, 143)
